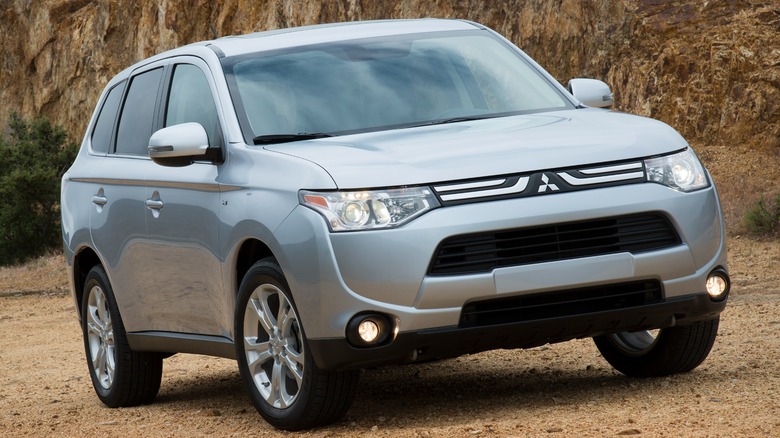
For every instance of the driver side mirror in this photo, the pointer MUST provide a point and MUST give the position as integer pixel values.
(591, 92)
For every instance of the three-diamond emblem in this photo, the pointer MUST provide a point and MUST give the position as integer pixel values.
(546, 185)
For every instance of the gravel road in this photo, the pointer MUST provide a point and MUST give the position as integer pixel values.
(557, 390)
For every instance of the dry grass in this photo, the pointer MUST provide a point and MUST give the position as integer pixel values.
(47, 274)
(736, 198)
(743, 176)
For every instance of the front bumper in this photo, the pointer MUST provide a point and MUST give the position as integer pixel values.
(446, 342)
(334, 276)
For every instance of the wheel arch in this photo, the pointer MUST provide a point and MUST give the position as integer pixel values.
(251, 251)
(82, 264)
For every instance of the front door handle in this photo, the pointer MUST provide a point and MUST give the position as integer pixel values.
(154, 205)
(99, 200)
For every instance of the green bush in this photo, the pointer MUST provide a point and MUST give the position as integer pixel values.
(763, 218)
(35, 155)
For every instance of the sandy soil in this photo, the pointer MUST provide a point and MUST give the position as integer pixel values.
(558, 390)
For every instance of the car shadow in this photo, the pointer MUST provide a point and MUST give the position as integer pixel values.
(216, 385)
(437, 393)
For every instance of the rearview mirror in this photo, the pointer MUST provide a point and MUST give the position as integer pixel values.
(591, 92)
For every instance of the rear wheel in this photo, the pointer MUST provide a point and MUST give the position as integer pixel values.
(120, 376)
(655, 353)
(284, 383)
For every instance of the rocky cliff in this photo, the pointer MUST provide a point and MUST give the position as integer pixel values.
(711, 69)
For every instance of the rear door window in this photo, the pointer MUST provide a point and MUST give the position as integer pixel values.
(137, 119)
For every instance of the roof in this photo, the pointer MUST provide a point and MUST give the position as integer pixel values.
(324, 33)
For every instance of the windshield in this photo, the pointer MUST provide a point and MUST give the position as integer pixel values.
(387, 83)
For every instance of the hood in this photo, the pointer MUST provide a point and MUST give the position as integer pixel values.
(506, 145)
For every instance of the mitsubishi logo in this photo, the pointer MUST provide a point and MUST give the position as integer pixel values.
(546, 184)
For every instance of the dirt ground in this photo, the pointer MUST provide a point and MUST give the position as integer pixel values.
(557, 390)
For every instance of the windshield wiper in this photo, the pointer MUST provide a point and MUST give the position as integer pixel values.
(452, 120)
(285, 138)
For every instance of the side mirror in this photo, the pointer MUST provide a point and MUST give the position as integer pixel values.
(591, 92)
(178, 145)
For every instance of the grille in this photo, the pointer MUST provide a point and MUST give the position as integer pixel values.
(560, 303)
(540, 183)
(486, 251)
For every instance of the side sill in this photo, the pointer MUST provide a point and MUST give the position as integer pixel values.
(169, 342)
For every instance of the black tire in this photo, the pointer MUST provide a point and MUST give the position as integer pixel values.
(673, 350)
(315, 397)
(120, 376)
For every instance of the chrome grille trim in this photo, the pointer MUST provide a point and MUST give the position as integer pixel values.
(573, 180)
(610, 169)
(518, 187)
(474, 185)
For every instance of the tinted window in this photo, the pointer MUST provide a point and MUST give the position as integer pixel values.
(135, 123)
(190, 100)
(104, 126)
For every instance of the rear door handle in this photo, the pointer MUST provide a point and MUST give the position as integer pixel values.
(99, 200)
(155, 205)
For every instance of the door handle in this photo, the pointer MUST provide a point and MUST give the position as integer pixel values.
(154, 205)
(99, 200)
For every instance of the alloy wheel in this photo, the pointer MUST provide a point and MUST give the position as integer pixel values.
(635, 343)
(100, 333)
(273, 346)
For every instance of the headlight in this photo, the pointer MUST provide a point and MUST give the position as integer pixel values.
(681, 171)
(370, 209)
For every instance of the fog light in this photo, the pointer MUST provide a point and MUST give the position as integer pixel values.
(368, 331)
(717, 284)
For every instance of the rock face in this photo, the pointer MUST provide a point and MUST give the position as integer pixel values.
(710, 69)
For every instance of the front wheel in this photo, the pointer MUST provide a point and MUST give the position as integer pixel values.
(661, 352)
(284, 383)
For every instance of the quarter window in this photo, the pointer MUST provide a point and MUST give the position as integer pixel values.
(104, 126)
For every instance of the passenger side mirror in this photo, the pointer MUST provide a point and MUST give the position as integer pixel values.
(178, 145)
(591, 92)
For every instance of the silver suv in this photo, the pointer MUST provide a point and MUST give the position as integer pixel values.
(318, 200)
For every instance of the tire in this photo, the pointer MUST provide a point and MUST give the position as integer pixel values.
(283, 382)
(659, 352)
(120, 376)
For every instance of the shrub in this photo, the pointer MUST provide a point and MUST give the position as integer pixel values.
(763, 217)
(35, 155)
